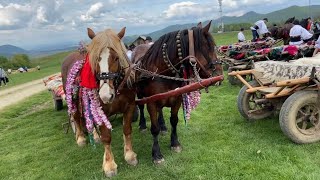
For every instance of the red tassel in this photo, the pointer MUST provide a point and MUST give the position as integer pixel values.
(88, 79)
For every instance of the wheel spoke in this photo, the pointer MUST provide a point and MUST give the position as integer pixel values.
(299, 120)
(302, 113)
(304, 125)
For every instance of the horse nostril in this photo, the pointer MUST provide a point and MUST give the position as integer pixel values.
(112, 96)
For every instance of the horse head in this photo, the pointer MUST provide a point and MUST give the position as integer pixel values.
(107, 59)
(205, 52)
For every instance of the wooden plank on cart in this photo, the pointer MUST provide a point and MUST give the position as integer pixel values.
(293, 82)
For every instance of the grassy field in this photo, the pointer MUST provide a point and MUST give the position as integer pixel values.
(49, 65)
(229, 37)
(217, 144)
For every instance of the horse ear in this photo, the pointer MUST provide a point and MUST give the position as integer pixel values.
(91, 34)
(207, 27)
(122, 32)
(199, 25)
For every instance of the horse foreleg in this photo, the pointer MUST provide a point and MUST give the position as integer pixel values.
(80, 136)
(129, 155)
(175, 144)
(109, 166)
(155, 130)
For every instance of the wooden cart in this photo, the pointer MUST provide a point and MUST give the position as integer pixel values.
(292, 89)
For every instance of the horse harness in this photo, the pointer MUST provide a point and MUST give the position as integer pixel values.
(115, 76)
(192, 59)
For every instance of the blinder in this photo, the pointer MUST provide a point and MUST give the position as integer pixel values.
(105, 76)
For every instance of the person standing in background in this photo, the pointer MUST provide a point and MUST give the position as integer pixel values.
(3, 77)
(241, 37)
(259, 28)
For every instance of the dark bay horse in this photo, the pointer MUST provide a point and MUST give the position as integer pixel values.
(108, 62)
(283, 31)
(169, 55)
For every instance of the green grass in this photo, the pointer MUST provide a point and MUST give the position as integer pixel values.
(49, 65)
(217, 144)
(229, 37)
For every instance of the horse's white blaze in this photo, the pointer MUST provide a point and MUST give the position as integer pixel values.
(106, 93)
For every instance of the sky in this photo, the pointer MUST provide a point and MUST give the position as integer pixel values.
(31, 24)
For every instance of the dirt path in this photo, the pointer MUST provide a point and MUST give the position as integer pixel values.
(17, 93)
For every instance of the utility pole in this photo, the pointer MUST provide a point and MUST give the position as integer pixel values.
(220, 14)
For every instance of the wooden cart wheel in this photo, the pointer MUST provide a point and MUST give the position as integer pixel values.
(233, 80)
(58, 104)
(300, 117)
(248, 107)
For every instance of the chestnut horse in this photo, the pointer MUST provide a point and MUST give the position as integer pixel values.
(167, 56)
(108, 62)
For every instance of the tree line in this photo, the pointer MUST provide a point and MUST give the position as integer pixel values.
(16, 61)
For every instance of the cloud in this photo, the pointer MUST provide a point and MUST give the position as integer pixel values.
(95, 11)
(15, 16)
(47, 13)
(39, 13)
(186, 9)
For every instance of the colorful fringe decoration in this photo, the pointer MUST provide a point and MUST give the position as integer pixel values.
(71, 86)
(190, 102)
(93, 112)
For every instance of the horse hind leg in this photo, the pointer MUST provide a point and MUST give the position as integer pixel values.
(129, 155)
(96, 136)
(175, 144)
(109, 166)
(80, 136)
(162, 124)
(142, 121)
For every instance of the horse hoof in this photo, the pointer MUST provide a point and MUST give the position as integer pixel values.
(133, 162)
(111, 173)
(81, 142)
(158, 161)
(176, 149)
(131, 158)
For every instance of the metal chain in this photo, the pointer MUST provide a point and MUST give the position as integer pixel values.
(163, 76)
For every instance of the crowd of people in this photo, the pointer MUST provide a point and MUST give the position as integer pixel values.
(298, 34)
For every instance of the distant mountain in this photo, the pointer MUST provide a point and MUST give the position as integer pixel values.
(277, 16)
(249, 17)
(9, 50)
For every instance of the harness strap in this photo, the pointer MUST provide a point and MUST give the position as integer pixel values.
(192, 57)
(127, 75)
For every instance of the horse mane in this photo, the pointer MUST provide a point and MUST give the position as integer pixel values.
(290, 20)
(106, 39)
(153, 57)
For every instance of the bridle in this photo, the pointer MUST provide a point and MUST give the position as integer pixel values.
(115, 76)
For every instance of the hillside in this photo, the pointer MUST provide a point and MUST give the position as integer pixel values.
(9, 50)
(249, 17)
